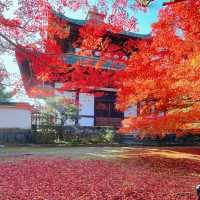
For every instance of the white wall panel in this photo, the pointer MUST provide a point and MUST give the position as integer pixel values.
(86, 121)
(86, 108)
(15, 118)
(86, 104)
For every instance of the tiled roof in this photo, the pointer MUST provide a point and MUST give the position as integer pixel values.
(20, 105)
(82, 22)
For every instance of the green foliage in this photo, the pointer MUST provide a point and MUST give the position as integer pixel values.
(70, 112)
(4, 96)
(53, 118)
(95, 139)
(108, 136)
(47, 118)
(97, 136)
(62, 108)
(45, 135)
(74, 141)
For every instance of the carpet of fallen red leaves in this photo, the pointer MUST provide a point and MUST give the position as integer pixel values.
(142, 178)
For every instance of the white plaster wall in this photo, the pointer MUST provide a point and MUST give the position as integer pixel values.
(86, 104)
(131, 111)
(86, 107)
(15, 118)
(86, 121)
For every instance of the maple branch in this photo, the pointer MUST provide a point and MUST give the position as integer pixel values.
(8, 40)
(172, 2)
(145, 3)
(7, 85)
(26, 23)
(4, 47)
(13, 44)
(149, 2)
(22, 50)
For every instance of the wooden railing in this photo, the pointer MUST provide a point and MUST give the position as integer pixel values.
(108, 121)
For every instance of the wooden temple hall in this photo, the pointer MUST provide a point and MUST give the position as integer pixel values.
(93, 110)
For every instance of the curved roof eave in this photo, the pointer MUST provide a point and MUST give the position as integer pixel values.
(135, 35)
(79, 22)
(82, 22)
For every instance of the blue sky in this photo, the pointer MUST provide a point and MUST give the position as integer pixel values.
(144, 20)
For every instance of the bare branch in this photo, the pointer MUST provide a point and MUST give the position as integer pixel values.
(8, 40)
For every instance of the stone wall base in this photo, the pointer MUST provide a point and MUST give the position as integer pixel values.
(15, 136)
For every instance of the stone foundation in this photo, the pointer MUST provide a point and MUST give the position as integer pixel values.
(15, 136)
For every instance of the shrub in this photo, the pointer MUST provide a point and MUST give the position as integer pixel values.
(45, 135)
(108, 136)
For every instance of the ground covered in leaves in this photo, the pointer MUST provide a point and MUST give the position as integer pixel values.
(134, 174)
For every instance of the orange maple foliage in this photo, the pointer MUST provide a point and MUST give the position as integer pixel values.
(166, 71)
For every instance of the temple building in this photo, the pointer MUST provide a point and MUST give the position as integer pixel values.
(94, 110)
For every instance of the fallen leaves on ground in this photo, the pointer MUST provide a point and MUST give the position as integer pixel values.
(140, 178)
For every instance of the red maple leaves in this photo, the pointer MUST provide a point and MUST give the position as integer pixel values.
(165, 70)
(57, 179)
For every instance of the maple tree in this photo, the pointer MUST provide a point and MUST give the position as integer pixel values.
(4, 95)
(163, 76)
(6, 80)
(20, 21)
